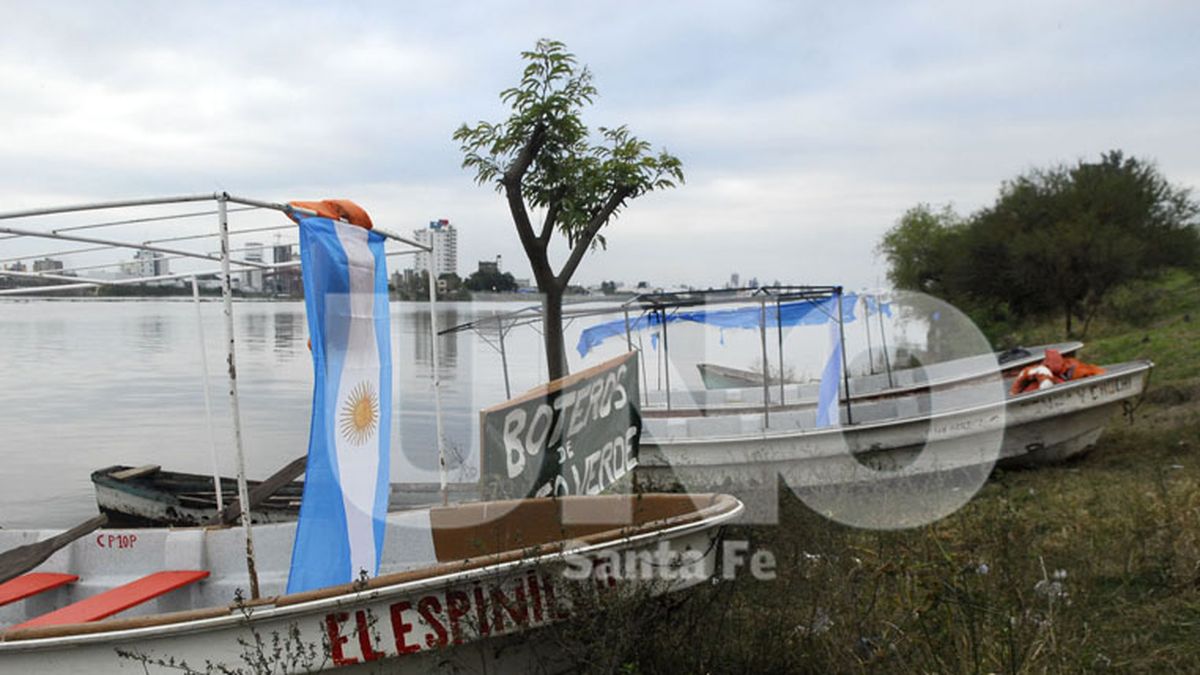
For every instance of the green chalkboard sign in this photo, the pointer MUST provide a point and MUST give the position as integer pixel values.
(574, 436)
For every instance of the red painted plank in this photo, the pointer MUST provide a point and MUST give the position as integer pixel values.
(117, 599)
(31, 584)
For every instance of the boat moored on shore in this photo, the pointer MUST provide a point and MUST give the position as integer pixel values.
(454, 580)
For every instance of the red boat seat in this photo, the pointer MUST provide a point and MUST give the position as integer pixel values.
(26, 585)
(118, 599)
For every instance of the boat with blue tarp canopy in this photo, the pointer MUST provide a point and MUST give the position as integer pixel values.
(798, 313)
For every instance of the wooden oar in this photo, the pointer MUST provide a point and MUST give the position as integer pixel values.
(21, 559)
(266, 488)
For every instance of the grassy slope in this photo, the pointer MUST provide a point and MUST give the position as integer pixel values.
(975, 591)
(1170, 335)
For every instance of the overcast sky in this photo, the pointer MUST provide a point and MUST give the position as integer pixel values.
(805, 129)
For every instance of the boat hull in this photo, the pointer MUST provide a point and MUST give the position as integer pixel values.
(716, 376)
(1040, 427)
(416, 620)
(902, 382)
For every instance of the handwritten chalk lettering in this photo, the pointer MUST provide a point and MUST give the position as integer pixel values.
(565, 453)
(117, 541)
(621, 397)
(539, 429)
(561, 403)
(605, 466)
(513, 447)
(588, 404)
(631, 435)
(579, 439)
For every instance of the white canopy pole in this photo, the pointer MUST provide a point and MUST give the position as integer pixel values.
(243, 490)
(212, 437)
(96, 206)
(433, 368)
(119, 244)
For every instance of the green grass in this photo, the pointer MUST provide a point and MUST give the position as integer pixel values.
(1123, 524)
(1159, 321)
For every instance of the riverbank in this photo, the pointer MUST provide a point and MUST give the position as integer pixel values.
(1089, 566)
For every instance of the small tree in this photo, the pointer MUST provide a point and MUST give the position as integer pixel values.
(1065, 237)
(915, 248)
(543, 157)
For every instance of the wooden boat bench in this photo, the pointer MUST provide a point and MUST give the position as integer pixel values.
(32, 584)
(118, 599)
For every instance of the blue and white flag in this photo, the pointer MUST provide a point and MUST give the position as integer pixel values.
(343, 513)
(831, 381)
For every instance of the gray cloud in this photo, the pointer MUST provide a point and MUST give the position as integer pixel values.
(806, 129)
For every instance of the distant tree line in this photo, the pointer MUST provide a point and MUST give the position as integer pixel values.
(414, 286)
(487, 280)
(1057, 242)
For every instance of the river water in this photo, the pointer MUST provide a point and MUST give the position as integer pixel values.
(89, 384)
(86, 384)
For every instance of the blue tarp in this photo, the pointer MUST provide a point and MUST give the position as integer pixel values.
(831, 379)
(801, 313)
(874, 306)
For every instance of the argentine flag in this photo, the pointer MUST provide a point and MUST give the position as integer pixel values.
(342, 516)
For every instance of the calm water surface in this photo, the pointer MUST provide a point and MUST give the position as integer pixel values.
(88, 384)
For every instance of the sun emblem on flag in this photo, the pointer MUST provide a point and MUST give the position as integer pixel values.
(360, 414)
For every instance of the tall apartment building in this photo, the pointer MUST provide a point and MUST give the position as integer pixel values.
(149, 264)
(445, 242)
(252, 278)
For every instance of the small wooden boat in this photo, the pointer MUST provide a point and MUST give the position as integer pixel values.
(148, 496)
(456, 583)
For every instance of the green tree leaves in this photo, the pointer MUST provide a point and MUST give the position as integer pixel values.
(1056, 240)
(543, 156)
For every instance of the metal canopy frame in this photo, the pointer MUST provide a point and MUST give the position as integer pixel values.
(666, 304)
(224, 272)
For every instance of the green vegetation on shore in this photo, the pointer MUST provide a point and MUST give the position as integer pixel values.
(1064, 241)
(1092, 566)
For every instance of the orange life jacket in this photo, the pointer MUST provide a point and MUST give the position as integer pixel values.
(338, 209)
(1053, 369)
(1036, 376)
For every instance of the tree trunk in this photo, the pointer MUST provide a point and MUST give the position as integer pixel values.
(552, 332)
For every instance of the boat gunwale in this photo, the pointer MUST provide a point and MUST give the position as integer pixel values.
(720, 509)
(660, 411)
(1134, 367)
